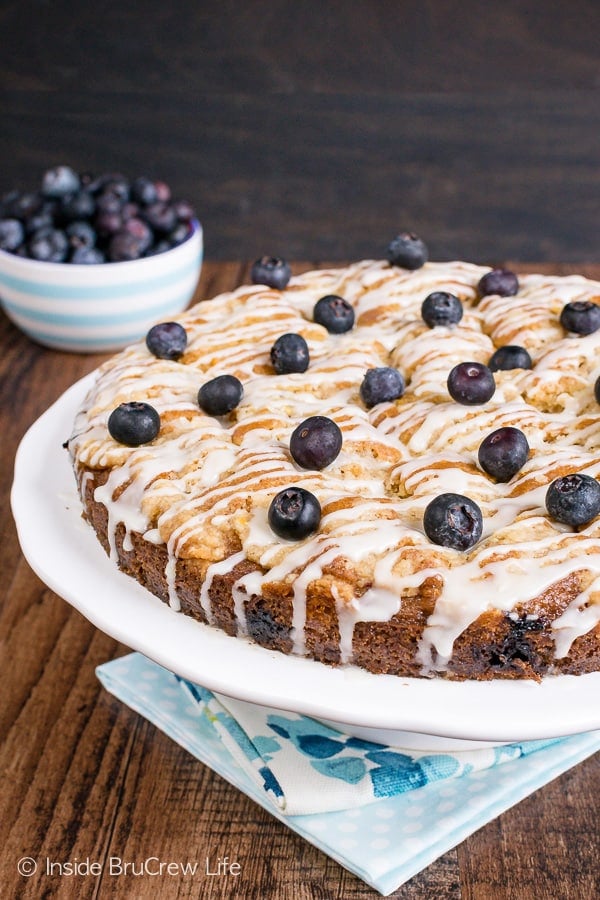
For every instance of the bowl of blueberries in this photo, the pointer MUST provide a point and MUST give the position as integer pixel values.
(89, 263)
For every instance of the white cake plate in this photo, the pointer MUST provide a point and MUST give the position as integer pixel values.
(430, 714)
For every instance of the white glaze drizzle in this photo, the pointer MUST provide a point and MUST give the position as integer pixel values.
(580, 616)
(205, 480)
(222, 567)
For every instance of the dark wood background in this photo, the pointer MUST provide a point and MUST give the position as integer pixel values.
(318, 130)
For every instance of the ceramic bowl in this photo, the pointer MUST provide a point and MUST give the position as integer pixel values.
(98, 308)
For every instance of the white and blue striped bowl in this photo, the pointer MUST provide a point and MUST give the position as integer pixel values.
(98, 308)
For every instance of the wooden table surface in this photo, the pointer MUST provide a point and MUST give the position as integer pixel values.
(85, 778)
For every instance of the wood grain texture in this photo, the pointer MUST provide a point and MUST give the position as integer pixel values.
(275, 46)
(318, 130)
(84, 777)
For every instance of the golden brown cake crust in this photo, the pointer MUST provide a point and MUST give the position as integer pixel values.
(186, 514)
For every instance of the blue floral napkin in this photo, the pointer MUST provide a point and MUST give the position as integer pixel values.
(381, 812)
(306, 767)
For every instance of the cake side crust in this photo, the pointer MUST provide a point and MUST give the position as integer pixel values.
(516, 646)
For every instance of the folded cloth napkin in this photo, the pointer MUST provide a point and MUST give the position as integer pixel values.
(381, 812)
(306, 767)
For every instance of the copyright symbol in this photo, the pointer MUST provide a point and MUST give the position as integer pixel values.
(27, 866)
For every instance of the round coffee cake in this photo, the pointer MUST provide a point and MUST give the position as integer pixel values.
(354, 493)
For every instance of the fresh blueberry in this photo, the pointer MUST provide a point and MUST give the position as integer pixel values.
(503, 453)
(159, 247)
(316, 442)
(109, 203)
(180, 233)
(381, 385)
(334, 313)
(580, 317)
(97, 184)
(86, 179)
(134, 423)
(60, 181)
(597, 389)
(294, 513)
(184, 210)
(408, 251)
(116, 186)
(573, 499)
(125, 246)
(12, 234)
(272, 271)
(163, 191)
(7, 204)
(49, 245)
(220, 395)
(87, 256)
(43, 218)
(143, 191)
(130, 210)
(441, 308)
(498, 281)
(26, 205)
(161, 217)
(452, 520)
(167, 340)
(510, 357)
(140, 230)
(80, 234)
(80, 205)
(108, 222)
(290, 353)
(471, 383)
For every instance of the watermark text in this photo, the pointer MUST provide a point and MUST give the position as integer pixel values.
(115, 866)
